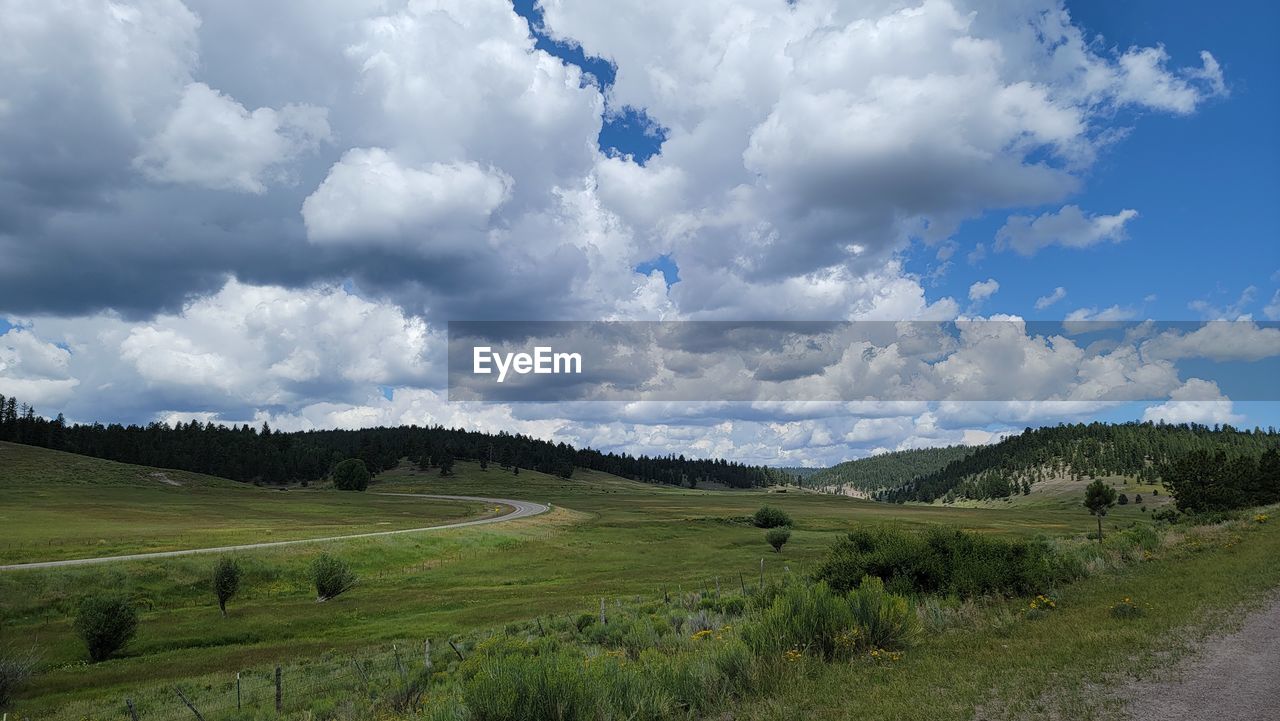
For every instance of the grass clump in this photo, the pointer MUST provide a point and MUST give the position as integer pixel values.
(331, 576)
(941, 560)
(817, 620)
(105, 623)
(770, 517)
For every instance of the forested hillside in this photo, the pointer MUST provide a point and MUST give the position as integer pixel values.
(244, 453)
(887, 470)
(1138, 450)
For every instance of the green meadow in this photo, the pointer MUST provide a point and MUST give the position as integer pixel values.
(605, 537)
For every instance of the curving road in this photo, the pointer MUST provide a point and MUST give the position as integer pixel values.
(519, 509)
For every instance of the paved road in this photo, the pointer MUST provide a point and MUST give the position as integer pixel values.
(1234, 677)
(519, 509)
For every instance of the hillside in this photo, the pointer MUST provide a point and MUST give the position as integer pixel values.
(887, 470)
(1134, 451)
(60, 506)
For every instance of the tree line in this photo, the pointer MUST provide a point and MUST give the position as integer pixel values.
(267, 456)
(1139, 450)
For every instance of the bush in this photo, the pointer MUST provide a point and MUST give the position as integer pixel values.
(226, 581)
(105, 624)
(16, 666)
(885, 620)
(331, 576)
(1126, 608)
(351, 475)
(808, 617)
(777, 537)
(941, 560)
(770, 517)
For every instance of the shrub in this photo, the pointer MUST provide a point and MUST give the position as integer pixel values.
(16, 666)
(777, 537)
(770, 517)
(941, 560)
(1123, 499)
(351, 475)
(331, 576)
(810, 617)
(105, 624)
(226, 581)
(886, 621)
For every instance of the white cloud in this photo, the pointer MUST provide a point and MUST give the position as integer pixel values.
(983, 289)
(1272, 309)
(1045, 301)
(1070, 227)
(212, 141)
(1197, 401)
(33, 370)
(369, 198)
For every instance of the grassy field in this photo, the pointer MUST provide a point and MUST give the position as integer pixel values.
(606, 537)
(60, 505)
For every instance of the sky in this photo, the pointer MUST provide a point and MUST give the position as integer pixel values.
(240, 212)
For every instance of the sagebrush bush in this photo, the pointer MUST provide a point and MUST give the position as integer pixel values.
(16, 666)
(810, 617)
(941, 560)
(885, 620)
(770, 517)
(331, 576)
(105, 623)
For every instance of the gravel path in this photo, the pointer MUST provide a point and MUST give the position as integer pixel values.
(1230, 678)
(519, 509)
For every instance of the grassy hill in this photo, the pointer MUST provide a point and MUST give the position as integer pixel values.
(59, 505)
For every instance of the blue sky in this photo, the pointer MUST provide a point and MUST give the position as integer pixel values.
(192, 237)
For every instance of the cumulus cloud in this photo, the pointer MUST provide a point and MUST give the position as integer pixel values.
(1197, 401)
(435, 157)
(1070, 227)
(1045, 301)
(983, 289)
(368, 197)
(213, 141)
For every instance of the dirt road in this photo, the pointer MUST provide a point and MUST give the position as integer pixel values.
(519, 509)
(1233, 677)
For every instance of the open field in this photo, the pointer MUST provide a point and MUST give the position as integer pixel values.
(605, 537)
(60, 505)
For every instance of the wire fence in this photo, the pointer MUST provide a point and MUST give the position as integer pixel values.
(263, 692)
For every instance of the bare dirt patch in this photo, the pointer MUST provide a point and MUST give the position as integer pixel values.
(1233, 676)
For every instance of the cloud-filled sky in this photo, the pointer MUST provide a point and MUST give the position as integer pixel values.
(241, 211)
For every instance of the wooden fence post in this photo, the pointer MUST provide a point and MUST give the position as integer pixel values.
(603, 621)
(279, 695)
(404, 677)
(188, 703)
(455, 650)
(743, 581)
(237, 690)
(762, 575)
(133, 712)
(426, 654)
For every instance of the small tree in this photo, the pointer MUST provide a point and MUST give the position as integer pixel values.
(16, 666)
(226, 581)
(351, 475)
(1123, 499)
(105, 624)
(1098, 497)
(770, 517)
(1138, 498)
(778, 537)
(332, 577)
(445, 461)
